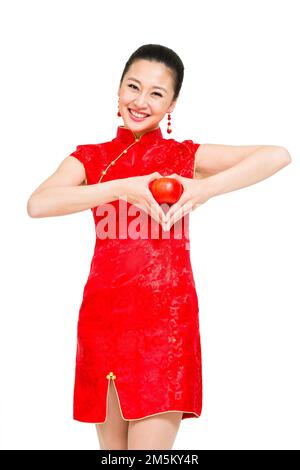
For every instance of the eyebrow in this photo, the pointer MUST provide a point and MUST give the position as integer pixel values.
(136, 80)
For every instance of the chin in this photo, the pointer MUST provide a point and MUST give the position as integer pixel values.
(141, 127)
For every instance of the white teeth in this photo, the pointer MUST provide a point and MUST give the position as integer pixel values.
(137, 114)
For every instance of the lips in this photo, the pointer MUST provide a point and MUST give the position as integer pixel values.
(143, 114)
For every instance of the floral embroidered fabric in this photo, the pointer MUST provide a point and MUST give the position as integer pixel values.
(138, 322)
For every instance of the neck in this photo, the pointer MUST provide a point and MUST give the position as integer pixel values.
(138, 134)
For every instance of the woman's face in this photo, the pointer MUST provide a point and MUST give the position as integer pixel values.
(140, 92)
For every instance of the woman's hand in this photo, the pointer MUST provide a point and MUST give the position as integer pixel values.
(193, 196)
(137, 192)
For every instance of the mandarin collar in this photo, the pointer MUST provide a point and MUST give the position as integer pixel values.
(127, 135)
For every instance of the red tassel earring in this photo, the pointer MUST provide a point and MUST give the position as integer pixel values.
(169, 130)
(119, 114)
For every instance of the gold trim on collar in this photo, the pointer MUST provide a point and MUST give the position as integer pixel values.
(103, 172)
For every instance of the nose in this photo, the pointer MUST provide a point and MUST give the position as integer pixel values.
(141, 103)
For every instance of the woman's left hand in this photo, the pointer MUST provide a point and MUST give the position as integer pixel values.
(193, 196)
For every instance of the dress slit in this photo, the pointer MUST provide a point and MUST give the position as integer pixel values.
(185, 414)
(117, 393)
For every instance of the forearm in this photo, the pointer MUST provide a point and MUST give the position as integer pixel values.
(55, 201)
(257, 166)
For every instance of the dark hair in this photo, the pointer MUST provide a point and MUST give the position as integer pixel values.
(158, 53)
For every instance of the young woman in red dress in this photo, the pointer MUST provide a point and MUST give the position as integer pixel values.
(138, 361)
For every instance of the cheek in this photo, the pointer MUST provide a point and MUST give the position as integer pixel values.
(126, 98)
(159, 109)
(125, 101)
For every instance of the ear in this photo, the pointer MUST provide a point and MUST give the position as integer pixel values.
(172, 106)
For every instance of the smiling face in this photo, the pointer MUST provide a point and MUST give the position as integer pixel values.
(147, 88)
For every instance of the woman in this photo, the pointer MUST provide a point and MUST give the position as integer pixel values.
(138, 361)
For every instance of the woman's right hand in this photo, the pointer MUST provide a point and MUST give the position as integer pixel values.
(137, 192)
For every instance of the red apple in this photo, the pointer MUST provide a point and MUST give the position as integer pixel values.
(166, 190)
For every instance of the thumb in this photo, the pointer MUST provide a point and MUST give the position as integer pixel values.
(154, 175)
(175, 176)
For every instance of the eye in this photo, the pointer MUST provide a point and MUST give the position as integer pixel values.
(155, 92)
(132, 85)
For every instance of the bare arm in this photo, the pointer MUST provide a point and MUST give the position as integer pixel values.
(62, 193)
(211, 159)
(255, 167)
(248, 169)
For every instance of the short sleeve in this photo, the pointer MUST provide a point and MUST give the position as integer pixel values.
(83, 156)
(192, 148)
(79, 153)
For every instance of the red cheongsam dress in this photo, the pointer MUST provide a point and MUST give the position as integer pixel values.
(138, 321)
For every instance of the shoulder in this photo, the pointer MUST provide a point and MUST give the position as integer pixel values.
(87, 153)
(83, 151)
(187, 148)
(190, 145)
(187, 145)
(183, 153)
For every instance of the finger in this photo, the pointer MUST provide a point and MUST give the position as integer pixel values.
(156, 207)
(157, 212)
(175, 207)
(152, 213)
(175, 176)
(154, 176)
(155, 204)
(165, 207)
(145, 205)
(185, 209)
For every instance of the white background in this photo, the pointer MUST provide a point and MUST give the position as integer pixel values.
(61, 65)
